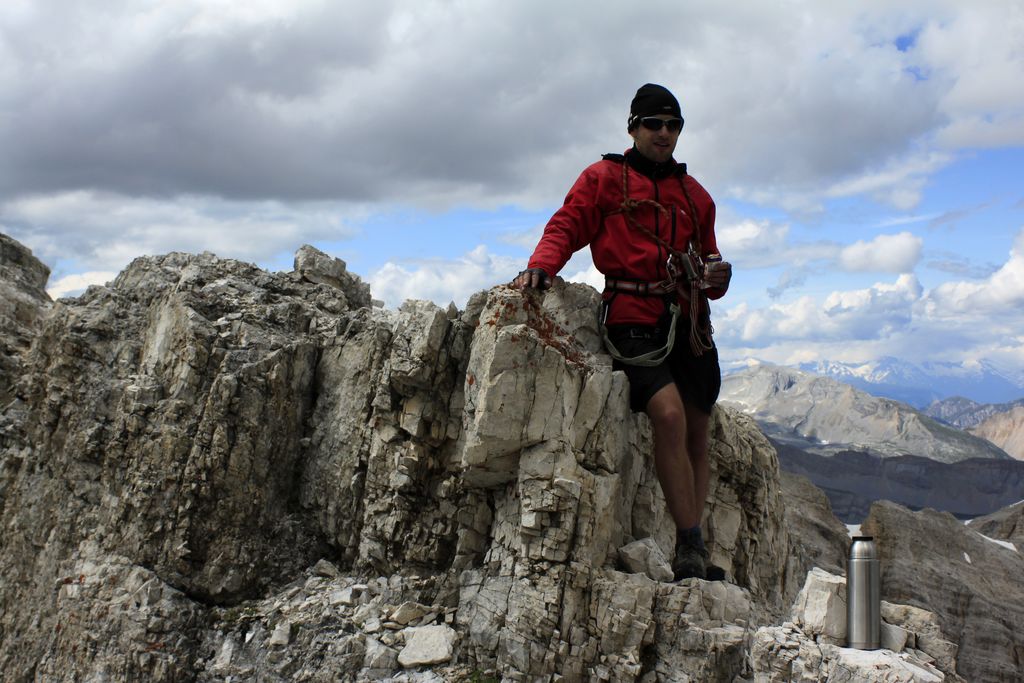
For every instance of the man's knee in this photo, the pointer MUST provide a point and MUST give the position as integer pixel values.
(666, 413)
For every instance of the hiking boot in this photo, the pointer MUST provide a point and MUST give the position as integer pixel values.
(689, 562)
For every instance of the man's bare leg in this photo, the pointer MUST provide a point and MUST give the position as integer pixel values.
(697, 450)
(681, 462)
(672, 462)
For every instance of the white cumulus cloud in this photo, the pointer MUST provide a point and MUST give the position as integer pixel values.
(590, 276)
(954, 321)
(443, 281)
(76, 283)
(764, 244)
(104, 231)
(998, 296)
(871, 313)
(898, 253)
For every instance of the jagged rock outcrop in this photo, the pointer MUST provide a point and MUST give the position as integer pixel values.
(213, 472)
(23, 304)
(809, 647)
(823, 415)
(930, 560)
(23, 300)
(209, 431)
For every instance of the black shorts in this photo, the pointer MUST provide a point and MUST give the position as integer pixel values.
(698, 378)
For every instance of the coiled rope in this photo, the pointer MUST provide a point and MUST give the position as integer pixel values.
(700, 337)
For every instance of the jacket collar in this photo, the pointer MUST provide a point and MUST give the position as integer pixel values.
(653, 169)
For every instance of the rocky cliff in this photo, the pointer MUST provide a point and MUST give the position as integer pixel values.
(210, 472)
(23, 301)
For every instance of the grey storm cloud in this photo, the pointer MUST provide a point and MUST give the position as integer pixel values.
(429, 102)
(341, 102)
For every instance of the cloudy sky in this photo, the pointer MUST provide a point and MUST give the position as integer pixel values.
(865, 156)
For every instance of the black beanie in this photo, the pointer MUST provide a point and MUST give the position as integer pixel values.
(651, 100)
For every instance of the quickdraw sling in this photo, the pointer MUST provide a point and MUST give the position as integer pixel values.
(700, 336)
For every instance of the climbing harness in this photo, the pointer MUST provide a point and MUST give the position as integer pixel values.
(681, 268)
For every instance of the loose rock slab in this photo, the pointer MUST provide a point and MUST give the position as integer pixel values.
(646, 557)
(427, 645)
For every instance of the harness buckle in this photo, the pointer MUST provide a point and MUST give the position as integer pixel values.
(672, 270)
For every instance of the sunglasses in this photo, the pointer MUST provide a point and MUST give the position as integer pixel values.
(655, 124)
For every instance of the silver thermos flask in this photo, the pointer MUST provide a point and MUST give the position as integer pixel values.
(863, 595)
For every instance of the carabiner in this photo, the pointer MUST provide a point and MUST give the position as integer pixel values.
(670, 268)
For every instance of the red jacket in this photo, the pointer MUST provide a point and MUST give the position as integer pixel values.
(592, 215)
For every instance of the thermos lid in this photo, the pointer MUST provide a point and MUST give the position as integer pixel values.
(863, 548)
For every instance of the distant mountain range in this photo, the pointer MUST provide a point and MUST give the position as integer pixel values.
(825, 416)
(859, 448)
(922, 384)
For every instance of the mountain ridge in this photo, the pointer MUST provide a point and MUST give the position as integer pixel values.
(964, 413)
(853, 481)
(823, 415)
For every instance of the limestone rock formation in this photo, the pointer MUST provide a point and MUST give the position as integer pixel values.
(215, 473)
(972, 584)
(23, 301)
(204, 432)
(809, 647)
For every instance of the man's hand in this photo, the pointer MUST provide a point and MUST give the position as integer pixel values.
(718, 275)
(532, 278)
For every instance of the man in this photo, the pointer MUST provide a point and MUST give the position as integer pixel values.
(651, 231)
